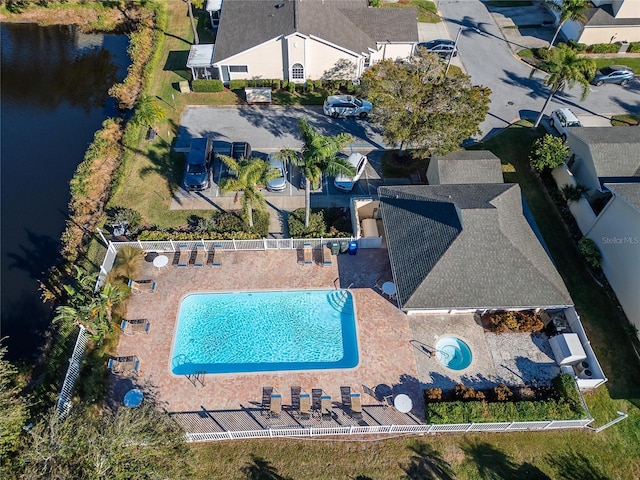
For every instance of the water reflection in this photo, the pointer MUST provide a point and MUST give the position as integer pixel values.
(54, 83)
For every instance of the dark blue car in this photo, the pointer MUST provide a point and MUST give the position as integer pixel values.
(197, 169)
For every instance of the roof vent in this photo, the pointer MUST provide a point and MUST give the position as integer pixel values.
(280, 5)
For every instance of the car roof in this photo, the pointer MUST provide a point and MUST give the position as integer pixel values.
(199, 143)
(620, 67)
(339, 98)
(354, 158)
(442, 41)
(569, 115)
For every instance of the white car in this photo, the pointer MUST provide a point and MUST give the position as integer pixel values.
(562, 119)
(345, 182)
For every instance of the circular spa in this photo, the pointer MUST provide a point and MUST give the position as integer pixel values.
(453, 353)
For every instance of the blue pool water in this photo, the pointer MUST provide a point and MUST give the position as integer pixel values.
(453, 353)
(265, 332)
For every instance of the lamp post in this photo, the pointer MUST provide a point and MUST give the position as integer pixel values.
(455, 45)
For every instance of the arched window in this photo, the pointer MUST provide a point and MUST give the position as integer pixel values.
(297, 72)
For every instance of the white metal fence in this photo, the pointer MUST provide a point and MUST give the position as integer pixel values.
(388, 429)
(64, 399)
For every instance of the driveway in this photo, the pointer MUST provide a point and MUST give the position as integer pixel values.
(489, 60)
(270, 128)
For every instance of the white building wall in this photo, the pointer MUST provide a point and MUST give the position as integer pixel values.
(583, 169)
(581, 210)
(327, 61)
(263, 61)
(393, 51)
(617, 234)
(628, 33)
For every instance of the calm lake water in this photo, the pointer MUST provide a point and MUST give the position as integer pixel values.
(54, 83)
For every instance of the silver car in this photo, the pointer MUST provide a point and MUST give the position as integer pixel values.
(346, 106)
(280, 182)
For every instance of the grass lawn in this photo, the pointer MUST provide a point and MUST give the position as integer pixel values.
(539, 455)
(427, 11)
(625, 120)
(633, 63)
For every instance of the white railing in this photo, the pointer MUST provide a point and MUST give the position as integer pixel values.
(64, 399)
(387, 429)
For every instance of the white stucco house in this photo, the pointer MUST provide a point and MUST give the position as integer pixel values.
(301, 40)
(607, 21)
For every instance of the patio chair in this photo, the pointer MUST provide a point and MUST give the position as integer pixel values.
(356, 406)
(326, 409)
(304, 411)
(201, 256)
(326, 256)
(316, 395)
(129, 363)
(275, 406)
(217, 255)
(307, 253)
(184, 254)
(266, 399)
(345, 395)
(142, 286)
(295, 397)
(130, 327)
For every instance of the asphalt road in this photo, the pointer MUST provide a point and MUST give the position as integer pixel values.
(488, 59)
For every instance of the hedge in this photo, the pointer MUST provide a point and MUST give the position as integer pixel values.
(328, 223)
(207, 86)
(604, 48)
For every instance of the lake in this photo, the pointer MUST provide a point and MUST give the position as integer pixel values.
(54, 83)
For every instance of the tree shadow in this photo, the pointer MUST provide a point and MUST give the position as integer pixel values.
(426, 463)
(495, 464)
(261, 469)
(37, 257)
(575, 466)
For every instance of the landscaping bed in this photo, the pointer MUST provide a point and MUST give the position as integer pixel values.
(334, 222)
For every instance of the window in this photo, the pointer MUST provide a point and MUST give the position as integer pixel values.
(297, 72)
(238, 69)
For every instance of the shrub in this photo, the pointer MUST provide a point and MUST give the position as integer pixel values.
(276, 84)
(351, 88)
(634, 47)
(309, 86)
(207, 86)
(317, 226)
(291, 87)
(375, 3)
(523, 321)
(237, 84)
(568, 391)
(548, 152)
(117, 215)
(578, 47)
(285, 85)
(573, 193)
(464, 392)
(318, 84)
(502, 393)
(590, 252)
(604, 48)
(432, 395)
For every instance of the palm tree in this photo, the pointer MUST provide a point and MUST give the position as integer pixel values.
(148, 112)
(565, 68)
(196, 40)
(248, 173)
(569, 10)
(319, 155)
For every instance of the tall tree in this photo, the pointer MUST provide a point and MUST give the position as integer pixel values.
(565, 68)
(568, 10)
(416, 106)
(196, 40)
(319, 155)
(248, 174)
(147, 112)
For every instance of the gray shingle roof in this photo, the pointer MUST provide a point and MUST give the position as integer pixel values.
(466, 166)
(603, 16)
(630, 192)
(350, 24)
(466, 246)
(615, 150)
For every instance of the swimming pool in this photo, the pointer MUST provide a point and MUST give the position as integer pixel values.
(265, 332)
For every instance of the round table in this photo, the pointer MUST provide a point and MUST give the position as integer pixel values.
(133, 398)
(403, 403)
(161, 261)
(389, 288)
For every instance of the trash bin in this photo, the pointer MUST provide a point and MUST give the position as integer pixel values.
(353, 248)
(335, 248)
(344, 247)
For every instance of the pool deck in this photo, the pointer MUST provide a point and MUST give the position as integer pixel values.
(386, 364)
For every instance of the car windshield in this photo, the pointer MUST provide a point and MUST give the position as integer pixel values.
(607, 71)
(358, 102)
(573, 124)
(196, 168)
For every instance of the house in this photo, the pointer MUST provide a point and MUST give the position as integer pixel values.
(466, 166)
(604, 154)
(607, 21)
(301, 40)
(616, 231)
(466, 248)
(200, 61)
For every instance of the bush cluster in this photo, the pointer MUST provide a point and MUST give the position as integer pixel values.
(590, 251)
(325, 222)
(523, 321)
(634, 47)
(310, 86)
(603, 48)
(496, 405)
(207, 86)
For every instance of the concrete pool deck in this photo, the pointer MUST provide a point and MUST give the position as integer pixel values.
(394, 348)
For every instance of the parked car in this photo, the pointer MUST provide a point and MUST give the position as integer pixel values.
(239, 150)
(443, 48)
(620, 74)
(303, 182)
(346, 106)
(280, 182)
(197, 169)
(346, 182)
(562, 119)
